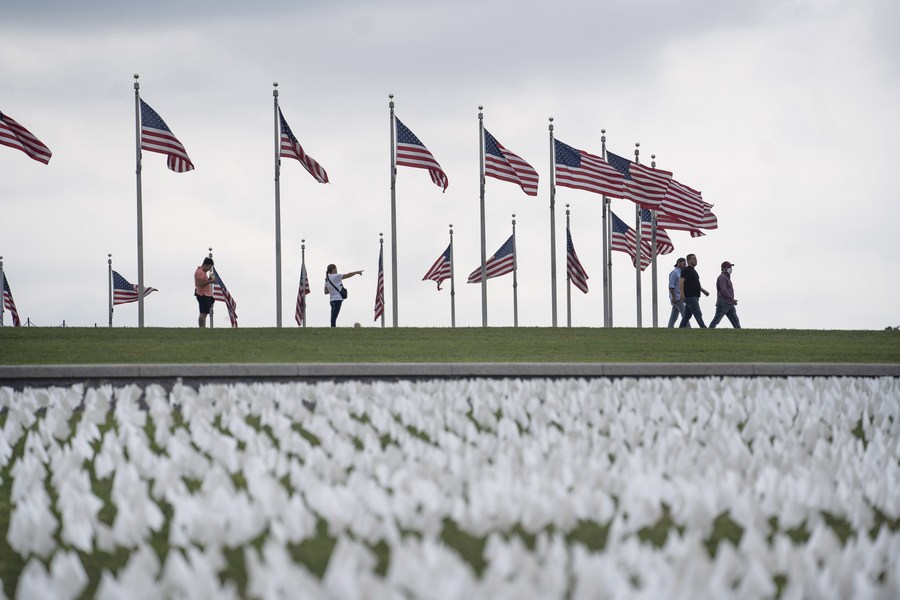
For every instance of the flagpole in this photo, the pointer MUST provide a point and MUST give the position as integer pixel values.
(277, 208)
(381, 261)
(515, 279)
(140, 222)
(637, 250)
(452, 283)
(302, 269)
(607, 250)
(393, 213)
(211, 308)
(109, 285)
(568, 275)
(653, 252)
(552, 223)
(483, 243)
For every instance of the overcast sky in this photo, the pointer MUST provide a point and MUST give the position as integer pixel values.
(782, 112)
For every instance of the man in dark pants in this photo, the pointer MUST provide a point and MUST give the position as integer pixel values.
(725, 302)
(689, 285)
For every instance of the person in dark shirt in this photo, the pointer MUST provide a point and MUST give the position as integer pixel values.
(689, 285)
(725, 302)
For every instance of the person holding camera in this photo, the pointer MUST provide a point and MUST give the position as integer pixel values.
(335, 287)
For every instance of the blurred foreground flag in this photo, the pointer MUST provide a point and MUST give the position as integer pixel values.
(15, 136)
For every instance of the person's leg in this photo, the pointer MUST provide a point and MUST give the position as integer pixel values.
(733, 317)
(674, 316)
(688, 312)
(698, 314)
(335, 310)
(721, 310)
(201, 320)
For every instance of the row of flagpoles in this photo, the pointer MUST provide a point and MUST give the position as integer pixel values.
(659, 199)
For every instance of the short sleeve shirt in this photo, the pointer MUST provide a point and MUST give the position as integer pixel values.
(691, 282)
(335, 282)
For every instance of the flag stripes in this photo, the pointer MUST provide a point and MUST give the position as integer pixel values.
(501, 263)
(10, 304)
(502, 164)
(302, 292)
(411, 152)
(441, 269)
(125, 292)
(221, 294)
(291, 148)
(583, 171)
(577, 275)
(15, 136)
(157, 137)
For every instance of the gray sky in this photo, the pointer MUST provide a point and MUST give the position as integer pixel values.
(781, 111)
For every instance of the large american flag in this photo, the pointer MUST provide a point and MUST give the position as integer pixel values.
(577, 275)
(15, 136)
(506, 166)
(644, 185)
(10, 304)
(441, 269)
(501, 263)
(291, 148)
(411, 152)
(379, 286)
(583, 171)
(302, 292)
(664, 243)
(157, 137)
(221, 294)
(125, 292)
(624, 240)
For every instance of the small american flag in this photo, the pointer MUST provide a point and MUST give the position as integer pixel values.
(441, 269)
(624, 240)
(501, 263)
(583, 171)
(506, 166)
(379, 286)
(577, 274)
(411, 152)
(10, 304)
(302, 293)
(291, 148)
(684, 204)
(15, 136)
(157, 137)
(125, 292)
(664, 243)
(670, 222)
(644, 185)
(221, 294)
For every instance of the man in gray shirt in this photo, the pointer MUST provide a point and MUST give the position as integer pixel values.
(675, 292)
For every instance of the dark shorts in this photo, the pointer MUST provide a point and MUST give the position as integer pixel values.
(205, 303)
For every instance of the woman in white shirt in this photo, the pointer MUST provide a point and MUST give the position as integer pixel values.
(334, 286)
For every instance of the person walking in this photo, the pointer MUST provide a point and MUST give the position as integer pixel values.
(690, 288)
(675, 292)
(203, 289)
(726, 305)
(335, 287)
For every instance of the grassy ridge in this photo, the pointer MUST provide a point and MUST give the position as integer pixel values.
(318, 345)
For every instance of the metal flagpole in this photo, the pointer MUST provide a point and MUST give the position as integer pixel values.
(607, 250)
(110, 285)
(393, 214)
(211, 308)
(653, 251)
(483, 243)
(515, 279)
(381, 263)
(452, 283)
(637, 250)
(605, 242)
(140, 222)
(568, 275)
(303, 269)
(277, 208)
(552, 224)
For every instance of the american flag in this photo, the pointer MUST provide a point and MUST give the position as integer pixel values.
(506, 166)
(441, 269)
(684, 204)
(125, 292)
(501, 263)
(411, 152)
(15, 136)
(221, 294)
(302, 292)
(577, 275)
(291, 148)
(10, 304)
(157, 137)
(625, 240)
(664, 243)
(583, 171)
(644, 185)
(709, 222)
(379, 286)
